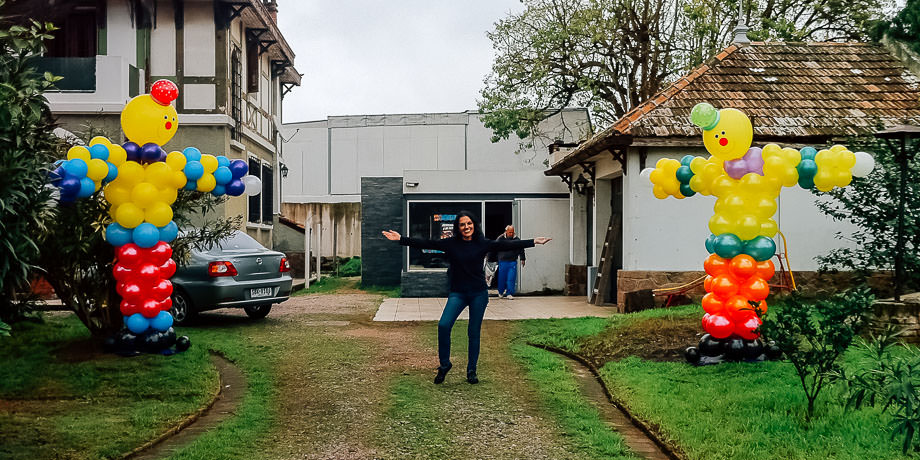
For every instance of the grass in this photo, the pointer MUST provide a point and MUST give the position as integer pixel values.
(60, 396)
(336, 284)
(562, 398)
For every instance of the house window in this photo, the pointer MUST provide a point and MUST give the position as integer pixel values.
(268, 197)
(434, 220)
(236, 94)
(255, 202)
(252, 64)
(77, 36)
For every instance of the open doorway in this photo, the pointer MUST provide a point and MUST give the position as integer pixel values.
(498, 216)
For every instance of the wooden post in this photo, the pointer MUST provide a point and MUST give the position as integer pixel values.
(319, 250)
(307, 234)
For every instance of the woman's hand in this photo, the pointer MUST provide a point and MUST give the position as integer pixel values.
(391, 235)
(541, 240)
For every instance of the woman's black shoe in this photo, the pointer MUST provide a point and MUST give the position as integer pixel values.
(471, 377)
(442, 372)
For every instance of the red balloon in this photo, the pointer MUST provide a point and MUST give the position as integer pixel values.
(161, 290)
(724, 286)
(747, 326)
(129, 255)
(128, 308)
(755, 288)
(120, 272)
(718, 326)
(715, 265)
(765, 269)
(742, 266)
(160, 253)
(712, 305)
(148, 273)
(134, 293)
(165, 304)
(168, 269)
(150, 308)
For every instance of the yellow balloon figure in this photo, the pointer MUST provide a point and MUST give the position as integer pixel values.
(141, 183)
(746, 182)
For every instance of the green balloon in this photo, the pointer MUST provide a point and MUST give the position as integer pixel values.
(807, 171)
(727, 245)
(704, 115)
(685, 190)
(760, 248)
(684, 174)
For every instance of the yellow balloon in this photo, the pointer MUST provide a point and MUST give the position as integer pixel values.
(178, 179)
(168, 195)
(128, 215)
(210, 163)
(101, 140)
(117, 155)
(130, 173)
(158, 214)
(768, 228)
(97, 169)
(78, 151)
(117, 194)
(731, 138)
(206, 183)
(143, 120)
(176, 160)
(144, 194)
(159, 174)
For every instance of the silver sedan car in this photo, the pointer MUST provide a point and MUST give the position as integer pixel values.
(238, 273)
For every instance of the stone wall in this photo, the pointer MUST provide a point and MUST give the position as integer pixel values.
(904, 314)
(629, 281)
(424, 284)
(381, 208)
(576, 280)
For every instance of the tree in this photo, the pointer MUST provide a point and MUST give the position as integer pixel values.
(871, 204)
(26, 149)
(905, 26)
(611, 55)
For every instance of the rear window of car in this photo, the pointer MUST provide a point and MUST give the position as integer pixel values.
(240, 240)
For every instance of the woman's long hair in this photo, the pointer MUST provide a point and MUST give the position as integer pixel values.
(477, 230)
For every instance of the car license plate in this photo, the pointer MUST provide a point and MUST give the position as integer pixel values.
(261, 292)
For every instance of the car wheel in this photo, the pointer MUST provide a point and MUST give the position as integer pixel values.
(182, 311)
(258, 311)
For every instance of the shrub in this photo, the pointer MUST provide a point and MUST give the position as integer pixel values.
(351, 268)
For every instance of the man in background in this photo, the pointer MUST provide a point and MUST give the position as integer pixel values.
(507, 266)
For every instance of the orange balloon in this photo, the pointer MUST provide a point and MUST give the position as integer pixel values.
(724, 286)
(765, 269)
(737, 307)
(762, 308)
(707, 284)
(715, 265)
(755, 288)
(742, 266)
(712, 305)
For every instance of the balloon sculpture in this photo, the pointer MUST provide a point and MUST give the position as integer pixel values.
(141, 181)
(746, 182)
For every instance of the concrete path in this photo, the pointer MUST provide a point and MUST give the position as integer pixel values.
(429, 309)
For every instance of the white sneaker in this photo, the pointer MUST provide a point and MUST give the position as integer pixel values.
(510, 297)
(501, 296)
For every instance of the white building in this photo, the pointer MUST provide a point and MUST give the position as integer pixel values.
(357, 175)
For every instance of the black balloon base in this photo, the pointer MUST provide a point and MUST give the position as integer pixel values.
(126, 343)
(711, 350)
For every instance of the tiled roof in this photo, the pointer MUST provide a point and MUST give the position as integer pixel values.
(788, 90)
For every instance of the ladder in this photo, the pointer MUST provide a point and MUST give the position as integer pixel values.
(602, 281)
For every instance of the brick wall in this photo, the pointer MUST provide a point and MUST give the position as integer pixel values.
(576, 280)
(424, 284)
(381, 209)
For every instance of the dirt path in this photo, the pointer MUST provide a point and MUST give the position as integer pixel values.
(353, 389)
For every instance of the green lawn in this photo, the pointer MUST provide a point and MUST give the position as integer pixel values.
(732, 410)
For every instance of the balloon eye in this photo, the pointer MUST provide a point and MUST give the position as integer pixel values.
(166, 117)
(717, 136)
(723, 133)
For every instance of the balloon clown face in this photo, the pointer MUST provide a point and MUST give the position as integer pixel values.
(150, 118)
(746, 182)
(140, 182)
(727, 133)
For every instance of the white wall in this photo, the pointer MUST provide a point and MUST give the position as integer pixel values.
(163, 41)
(121, 36)
(306, 155)
(543, 217)
(199, 39)
(670, 234)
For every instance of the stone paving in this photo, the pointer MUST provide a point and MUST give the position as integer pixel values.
(528, 307)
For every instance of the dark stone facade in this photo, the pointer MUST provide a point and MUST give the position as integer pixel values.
(381, 209)
(576, 280)
(424, 284)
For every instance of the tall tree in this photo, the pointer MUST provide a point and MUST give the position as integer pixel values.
(611, 55)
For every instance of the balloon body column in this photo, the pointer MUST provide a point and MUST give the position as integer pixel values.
(140, 181)
(746, 182)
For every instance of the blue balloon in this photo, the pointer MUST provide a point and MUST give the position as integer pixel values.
(239, 168)
(192, 154)
(727, 245)
(99, 151)
(132, 150)
(191, 185)
(808, 153)
(219, 190)
(113, 173)
(70, 186)
(222, 175)
(169, 232)
(760, 248)
(76, 168)
(146, 235)
(117, 235)
(87, 187)
(162, 321)
(194, 170)
(236, 187)
(136, 323)
(151, 152)
(685, 161)
(223, 161)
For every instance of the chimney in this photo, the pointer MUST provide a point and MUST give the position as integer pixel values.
(272, 7)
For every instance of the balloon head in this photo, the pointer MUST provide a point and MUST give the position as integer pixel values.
(164, 92)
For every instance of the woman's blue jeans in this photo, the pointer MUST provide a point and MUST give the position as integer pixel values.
(456, 302)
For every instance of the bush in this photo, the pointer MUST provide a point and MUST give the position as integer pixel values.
(351, 268)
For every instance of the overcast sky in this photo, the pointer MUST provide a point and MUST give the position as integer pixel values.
(372, 56)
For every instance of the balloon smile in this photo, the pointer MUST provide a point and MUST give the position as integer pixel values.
(723, 142)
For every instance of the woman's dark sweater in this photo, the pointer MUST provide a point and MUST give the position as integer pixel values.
(465, 271)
